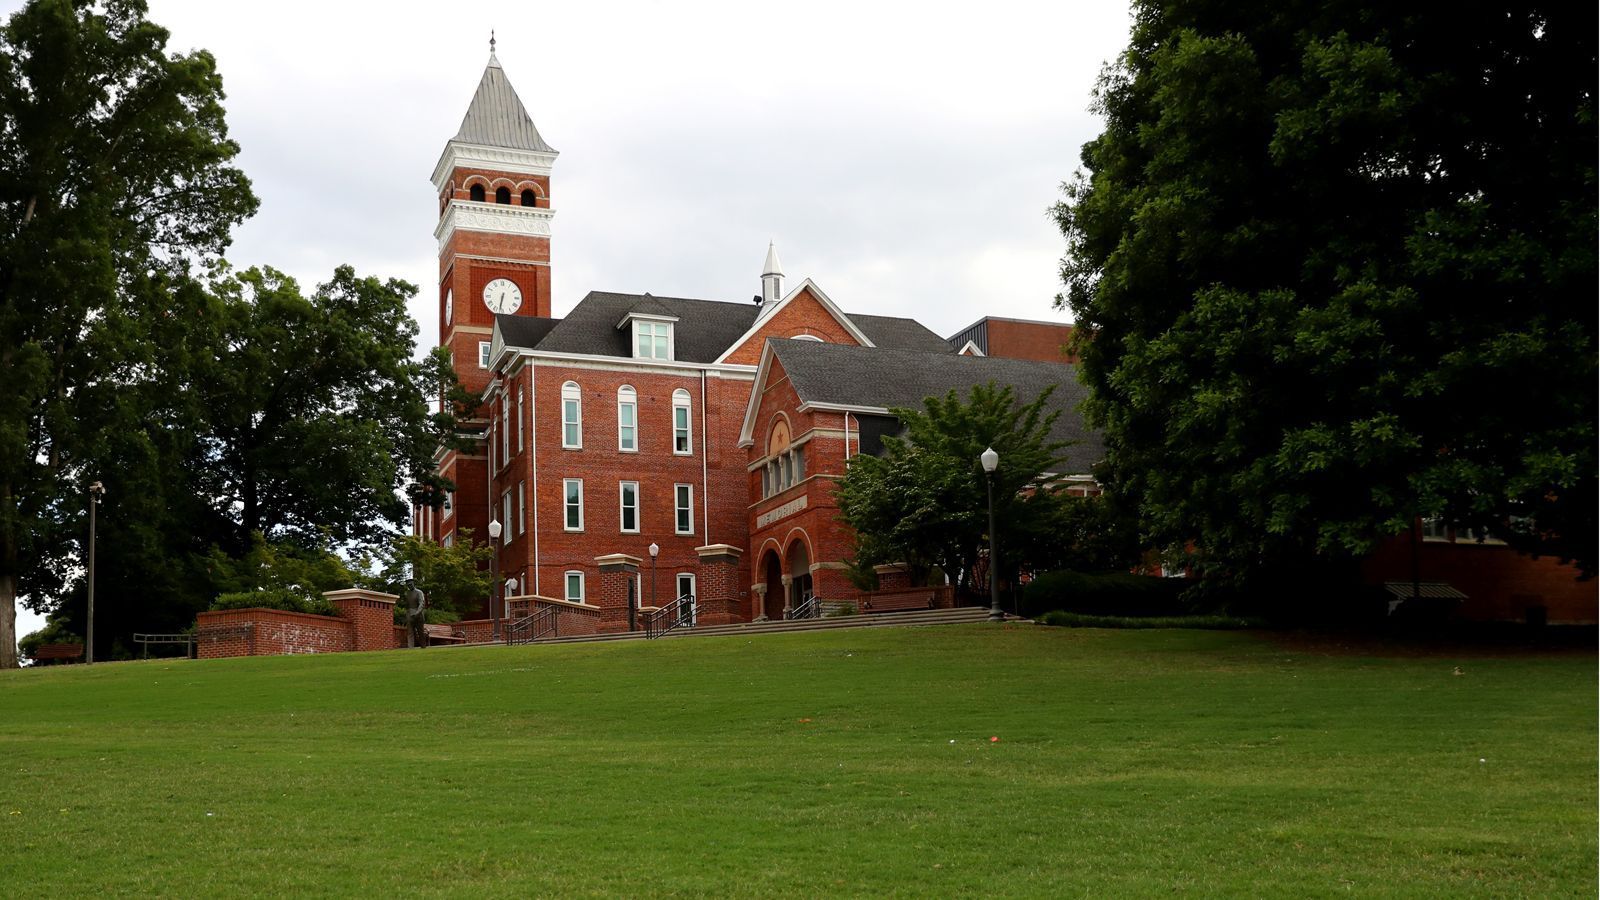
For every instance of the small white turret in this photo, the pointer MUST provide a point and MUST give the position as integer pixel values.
(771, 277)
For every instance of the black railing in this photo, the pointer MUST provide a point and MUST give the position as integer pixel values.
(809, 608)
(677, 614)
(536, 625)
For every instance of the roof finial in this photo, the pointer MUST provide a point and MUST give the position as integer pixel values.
(491, 42)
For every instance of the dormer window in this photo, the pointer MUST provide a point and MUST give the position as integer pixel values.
(652, 340)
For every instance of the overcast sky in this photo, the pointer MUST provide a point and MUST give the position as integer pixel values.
(904, 156)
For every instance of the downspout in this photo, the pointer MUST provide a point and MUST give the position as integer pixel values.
(533, 463)
(847, 436)
(705, 481)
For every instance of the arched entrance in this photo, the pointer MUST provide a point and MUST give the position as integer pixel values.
(770, 604)
(799, 569)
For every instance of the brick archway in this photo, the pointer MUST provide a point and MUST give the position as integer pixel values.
(769, 603)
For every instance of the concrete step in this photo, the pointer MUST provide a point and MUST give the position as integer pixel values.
(875, 620)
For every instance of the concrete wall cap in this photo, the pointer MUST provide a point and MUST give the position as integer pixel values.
(360, 594)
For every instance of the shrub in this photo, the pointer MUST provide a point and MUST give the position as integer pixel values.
(276, 598)
(1113, 594)
(840, 611)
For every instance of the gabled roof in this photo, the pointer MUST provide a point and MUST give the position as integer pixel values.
(497, 117)
(768, 310)
(900, 334)
(872, 379)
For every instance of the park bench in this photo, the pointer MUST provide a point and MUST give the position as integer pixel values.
(919, 599)
(441, 634)
(57, 651)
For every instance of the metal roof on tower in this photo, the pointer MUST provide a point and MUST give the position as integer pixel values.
(497, 117)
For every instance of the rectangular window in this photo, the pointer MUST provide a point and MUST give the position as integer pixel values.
(519, 420)
(505, 518)
(573, 488)
(505, 429)
(683, 506)
(651, 340)
(522, 507)
(799, 464)
(450, 539)
(627, 426)
(575, 587)
(629, 491)
(680, 429)
(483, 354)
(571, 420)
(766, 483)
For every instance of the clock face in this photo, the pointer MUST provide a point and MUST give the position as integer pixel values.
(449, 306)
(502, 296)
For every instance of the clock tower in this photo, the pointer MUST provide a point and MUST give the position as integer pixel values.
(493, 184)
(493, 189)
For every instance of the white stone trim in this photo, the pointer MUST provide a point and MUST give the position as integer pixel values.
(498, 218)
(462, 155)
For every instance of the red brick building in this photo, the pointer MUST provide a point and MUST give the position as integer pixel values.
(712, 431)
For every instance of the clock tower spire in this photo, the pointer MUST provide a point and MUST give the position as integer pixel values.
(493, 184)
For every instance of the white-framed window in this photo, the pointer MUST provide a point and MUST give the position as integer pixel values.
(683, 508)
(519, 419)
(627, 419)
(450, 498)
(522, 507)
(449, 539)
(628, 500)
(572, 489)
(505, 429)
(505, 518)
(571, 416)
(652, 340)
(483, 354)
(682, 435)
(574, 580)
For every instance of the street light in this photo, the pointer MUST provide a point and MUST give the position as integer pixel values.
(655, 549)
(96, 491)
(494, 568)
(991, 461)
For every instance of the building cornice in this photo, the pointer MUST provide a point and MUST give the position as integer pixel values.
(499, 218)
(462, 155)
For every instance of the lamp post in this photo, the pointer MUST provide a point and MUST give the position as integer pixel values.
(991, 461)
(494, 568)
(96, 491)
(655, 549)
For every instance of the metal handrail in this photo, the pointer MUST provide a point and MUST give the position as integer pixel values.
(677, 614)
(808, 608)
(534, 626)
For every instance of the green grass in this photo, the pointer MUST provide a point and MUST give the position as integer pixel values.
(1134, 762)
(1064, 619)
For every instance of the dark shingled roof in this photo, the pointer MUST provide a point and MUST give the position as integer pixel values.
(704, 329)
(878, 377)
(523, 331)
(900, 334)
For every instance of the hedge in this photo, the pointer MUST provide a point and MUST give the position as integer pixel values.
(1111, 594)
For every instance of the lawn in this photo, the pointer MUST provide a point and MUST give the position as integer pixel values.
(1128, 763)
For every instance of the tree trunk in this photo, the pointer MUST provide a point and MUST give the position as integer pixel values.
(8, 622)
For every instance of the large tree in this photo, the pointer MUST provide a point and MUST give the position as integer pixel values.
(115, 178)
(1334, 265)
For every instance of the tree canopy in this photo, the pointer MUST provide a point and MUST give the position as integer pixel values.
(116, 176)
(1334, 269)
(922, 502)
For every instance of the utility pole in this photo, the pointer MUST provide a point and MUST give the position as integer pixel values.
(96, 491)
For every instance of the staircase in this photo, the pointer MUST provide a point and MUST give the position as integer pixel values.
(960, 616)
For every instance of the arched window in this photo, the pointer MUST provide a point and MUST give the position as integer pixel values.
(627, 419)
(682, 436)
(476, 193)
(808, 337)
(502, 195)
(529, 199)
(571, 416)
